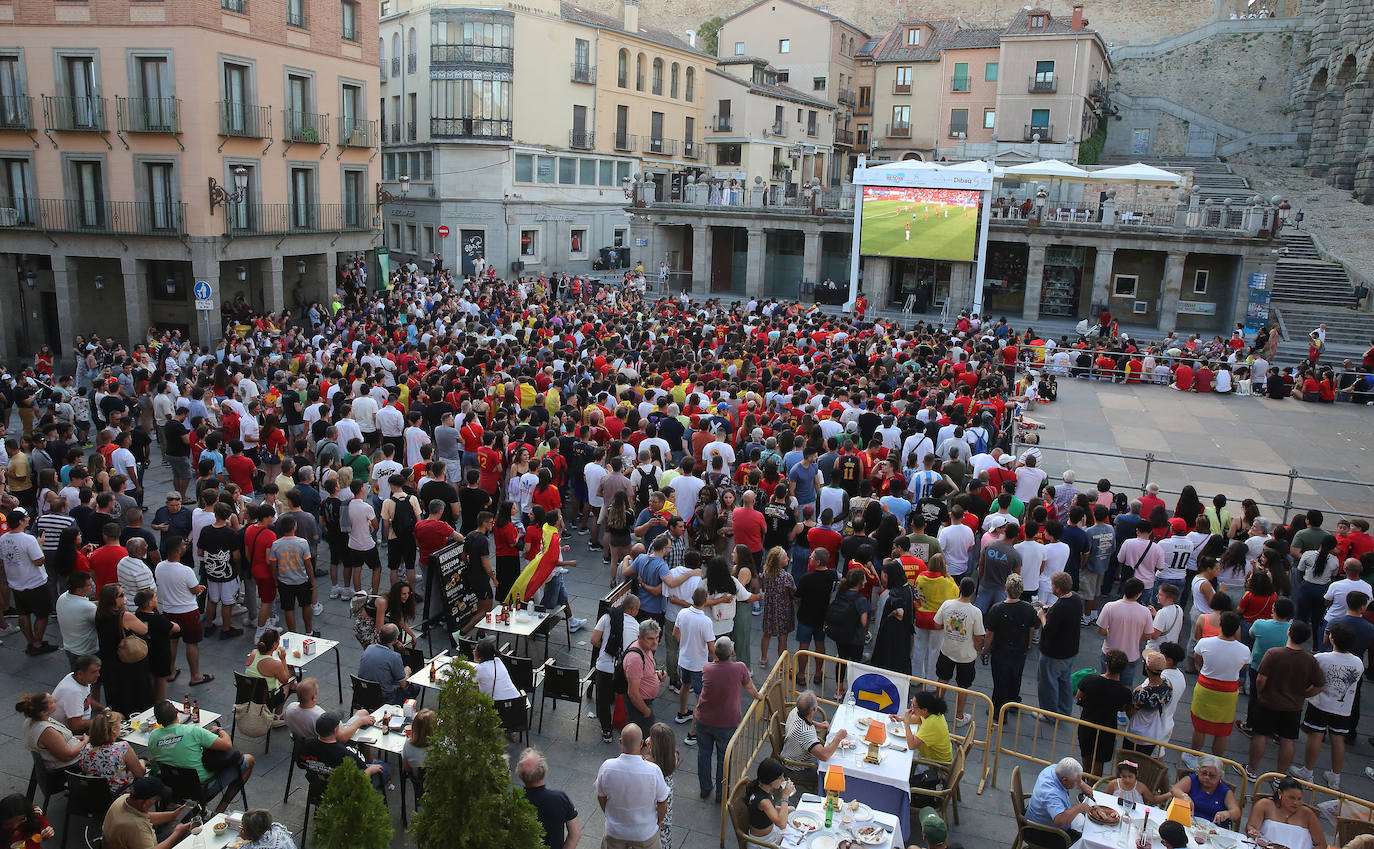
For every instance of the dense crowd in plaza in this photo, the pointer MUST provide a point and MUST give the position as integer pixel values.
(841, 484)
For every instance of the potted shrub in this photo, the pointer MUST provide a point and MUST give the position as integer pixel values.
(352, 814)
(468, 799)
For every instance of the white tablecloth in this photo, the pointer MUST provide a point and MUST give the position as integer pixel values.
(895, 767)
(1097, 836)
(816, 805)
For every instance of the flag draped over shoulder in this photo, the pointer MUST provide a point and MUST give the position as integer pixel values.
(539, 569)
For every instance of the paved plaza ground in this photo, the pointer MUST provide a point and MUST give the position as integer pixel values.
(1208, 429)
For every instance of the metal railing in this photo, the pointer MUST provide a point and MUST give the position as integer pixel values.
(243, 121)
(410, 131)
(898, 131)
(691, 149)
(305, 127)
(395, 132)
(395, 66)
(959, 84)
(382, 69)
(470, 128)
(16, 112)
(847, 97)
(484, 53)
(956, 129)
(722, 124)
(74, 114)
(148, 114)
(240, 6)
(117, 217)
(901, 88)
(778, 128)
(583, 73)
(751, 735)
(295, 15)
(349, 31)
(272, 219)
(412, 62)
(581, 140)
(1030, 131)
(1362, 809)
(624, 141)
(660, 146)
(1042, 85)
(356, 132)
(844, 136)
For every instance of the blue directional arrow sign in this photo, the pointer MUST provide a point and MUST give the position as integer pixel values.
(876, 692)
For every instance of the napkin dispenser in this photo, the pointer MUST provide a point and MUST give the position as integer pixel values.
(395, 722)
(410, 708)
(308, 646)
(1181, 811)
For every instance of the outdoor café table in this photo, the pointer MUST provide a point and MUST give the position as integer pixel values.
(1099, 836)
(839, 830)
(293, 643)
(140, 724)
(523, 623)
(884, 786)
(442, 664)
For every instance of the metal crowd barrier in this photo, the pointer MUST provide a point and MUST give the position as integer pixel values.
(749, 739)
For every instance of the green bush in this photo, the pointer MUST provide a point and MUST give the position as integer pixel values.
(1090, 149)
(352, 814)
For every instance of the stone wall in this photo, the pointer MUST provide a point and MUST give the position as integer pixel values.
(1333, 95)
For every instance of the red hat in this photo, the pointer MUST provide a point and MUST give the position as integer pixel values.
(1178, 525)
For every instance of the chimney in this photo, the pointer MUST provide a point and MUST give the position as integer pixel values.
(691, 38)
(632, 16)
(1078, 22)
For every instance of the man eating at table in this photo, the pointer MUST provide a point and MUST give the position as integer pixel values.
(802, 743)
(1050, 803)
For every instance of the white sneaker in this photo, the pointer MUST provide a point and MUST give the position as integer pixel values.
(576, 624)
(317, 608)
(333, 592)
(962, 720)
(1301, 773)
(1333, 779)
(10, 630)
(272, 623)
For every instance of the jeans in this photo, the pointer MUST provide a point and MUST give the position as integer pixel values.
(1311, 608)
(987, 597)
(645, 721)
(670, 645)
(1055, 684)
(554, 593)
(711, 737)
(1006, 678)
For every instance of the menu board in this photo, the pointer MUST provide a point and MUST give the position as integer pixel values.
(460, 602)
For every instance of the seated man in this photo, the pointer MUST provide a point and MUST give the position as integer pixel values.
(130, 821)
(182, 745)
(802, 743)
(1050, 803)
(300, 716)
(327, 751)
(73, 695)
(382, 663)
(492, 676)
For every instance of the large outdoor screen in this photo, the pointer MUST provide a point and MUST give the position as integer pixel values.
(919, 223)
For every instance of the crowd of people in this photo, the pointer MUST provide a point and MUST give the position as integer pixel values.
(837, 484)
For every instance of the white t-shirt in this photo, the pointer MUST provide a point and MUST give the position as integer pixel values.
(360, 516)
(73, 699)
(175, 582)
(1342, 673)
(686, 488)
(724, 450)
(1178, 557)
(1336, 593)
(1222, 660)
(1168, 622)
(493, 678)
(1056, 558)
(365, 413)
(1032, 558)
(682, 592)
(604, 661)
(695, 632)
(21, 554)
(76, 618)
(956, 541)
(1180, 685)
(121, 461)
(416, 438)
(962, 622)
(1028, 480)
(593, 473)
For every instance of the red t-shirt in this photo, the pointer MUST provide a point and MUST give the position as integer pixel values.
(827, 539)
(549, 498)
(749, 528)
(240, 470)
(430, 536)
(105, 564)
(489, 460)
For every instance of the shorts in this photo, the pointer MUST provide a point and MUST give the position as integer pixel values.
(267, 590)
(191, 630)
(1096, 746)
(36, 602)
(222, 592)
(962, 673)
(1319, 721)
(806, 633)
(338, 547)
(358, 559)
(1268, 722)
(290, 594)
(224, 776)
(691, 678)
(181, 467)
(400, 552)
(1089, 584)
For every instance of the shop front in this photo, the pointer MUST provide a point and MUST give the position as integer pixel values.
(925, 279)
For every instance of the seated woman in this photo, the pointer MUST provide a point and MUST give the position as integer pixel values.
(107, 755)
(1127, 786)
(260, 832)
(768, 818)
(52, 740)
(1284, 819)
(267, 660)
(22, 825)
(1213, 800)
(927, 734)
(396, 607)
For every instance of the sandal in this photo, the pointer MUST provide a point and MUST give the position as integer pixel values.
(176, 673)
(205, 678)
(763, 664)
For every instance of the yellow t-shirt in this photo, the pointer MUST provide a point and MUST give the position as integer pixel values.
(933, 734)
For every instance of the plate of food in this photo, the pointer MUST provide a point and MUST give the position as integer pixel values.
(822, 841)
(805, 823)
(847, 745)
(857, 809)
(870, 835)
(1103, 815)
(897, 729)
(863, 722)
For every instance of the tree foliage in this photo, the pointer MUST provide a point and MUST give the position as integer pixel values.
(468, 799)
(352, 814)
(708, 35)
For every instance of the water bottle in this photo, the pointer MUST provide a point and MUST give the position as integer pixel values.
(849, 699)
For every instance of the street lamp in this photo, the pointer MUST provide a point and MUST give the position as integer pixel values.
(218, 194)
(383, 196)
(171, 284)
(31, 279)
(242, 273)
(300, 267)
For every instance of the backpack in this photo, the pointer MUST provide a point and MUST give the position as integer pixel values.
(621, 683)
(842, 619)
(403, 517)
(980, 440)
(648, 484)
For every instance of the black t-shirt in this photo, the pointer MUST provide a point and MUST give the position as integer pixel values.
(813, 596)
(218, 545)
(849, 548)
(444, 491)
(291, 406)
(779, 520)
(476, 546)
(434, 413)
(1011, 623)
(672, 432)
(1063, 621)
(174, 431)
(140, 443)
(1102, 699)
(472, 500)
(328, 755)
(555, 811)
(159, 640)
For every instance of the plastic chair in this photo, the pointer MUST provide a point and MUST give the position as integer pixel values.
(291, 766)
(248, 691)
(316, 782)
(1028, 833)
(523, 673)
(186, 785)
(555, 616)
(367, 695)
(415, 777)
(562, 684)
(88, 796)
(515, 716)
(50, 781)
(466, 645)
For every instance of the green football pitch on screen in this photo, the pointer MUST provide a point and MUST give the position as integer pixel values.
(919, 223)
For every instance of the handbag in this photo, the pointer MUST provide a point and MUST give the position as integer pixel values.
(253, 719)
(131, 649)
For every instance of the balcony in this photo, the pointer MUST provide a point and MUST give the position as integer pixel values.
(956, 130)
(1030, 131)
(1042, 84)
(383, 72)
(624, 141)
(959, 84)
(898, 131)
(847, 97)
(355, 132)
(469, 128)
(484, 53)
(412, 62)
(74, 114)
(410, 131)
(777, 128)
(691, 149)
(395, 66)
(149, 114)
(581, 140)
(901, 88)
(240, 120)
(16, 112)
(844, 136)
(122, 217)
(721, 124)
(864, 109)
(395, 132)
(583, 73)
(660, 146)
(276, 219)
(305, 127)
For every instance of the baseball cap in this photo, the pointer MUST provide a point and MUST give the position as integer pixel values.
(1006, 460)
(933, 826)
(147, 787)
(1178, 525)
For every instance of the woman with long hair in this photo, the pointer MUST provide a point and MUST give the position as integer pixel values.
(893, 643)
(71, 554)
(506, 534)
(729, 500)
(1316, 569)
(614, 632)
(779, 592)
(1241, 525)
(1189, 506)
(1233, 562)
(21, 822)
(768, 816)
(48, 489)
(619, 527)
(128, 684)
(396, 607)
(662, 751)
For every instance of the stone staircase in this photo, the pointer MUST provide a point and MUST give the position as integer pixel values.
(1308, 291)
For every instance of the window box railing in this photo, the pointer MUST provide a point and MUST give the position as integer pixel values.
(295, 17)
(624, 141)
(899, 131)
(274, 219)
(16, 112)
(74, 114)
(448, 53)
(356, 132)
(243, 121)
(583, 73)
(469, 128)
(349, 32)
(240, 6)
(778, 128)
(395, 132)
(382, 69)
(843, 136)
(581, 140)
(959, 84)
(305, 127)
(1041, 84)
(119, 217)
(955, 130)
(722, 123)
(1046, 133)
(901, 88)
(395, 66)
(412, 62)
(691, 149)
(847, 98)
(660, 146)
(410, 131)
(149, 114)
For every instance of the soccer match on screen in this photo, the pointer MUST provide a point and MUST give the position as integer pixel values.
(925, 223)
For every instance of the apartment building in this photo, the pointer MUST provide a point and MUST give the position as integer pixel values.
(813, 51)
(149, 146)
(946, 89)
(528, 163)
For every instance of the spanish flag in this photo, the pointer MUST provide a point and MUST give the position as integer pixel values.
(539, 569)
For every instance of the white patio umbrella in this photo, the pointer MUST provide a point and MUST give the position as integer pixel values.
(1137, 174)
(1051, 169)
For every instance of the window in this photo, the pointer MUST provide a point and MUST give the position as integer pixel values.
(85, 107)
(989, 119)
(577, 243)
(960, 77)
(865, 98)
(1124, 285)
(157, 111)
(690, 92)
(622, 173)
(818, 83)
(1200, 281)
(622, 123)
(620, 236)
(411, 242)
(582, 60)
(1040, 121)
(395, 54)
(524, 168)
(901, 119)
(412, 104)
(605, 173)
(529, 244)
(639, 72)
(672, 82)
(302, 197)
(13, 111)
(622, 68)
(1037, 21)
(88, 188)
(580, 139)
(658, 77)
(427, 161)
(567, 171)
(728, 154)
(300, 117)
(349, 19)
(428, 244)
(913, 37)
(241, 215)
(233, 5)
(295, 13)
(350, 100)
(784, 45)
(903, 80)
(545, 172)
(355, 198)
(17, 188)
(473, 107)
(1044, 76)
(395, 241)
(783, 77)
(861, 134)
(586, 172)
(689, 129)
(739, 48)
(958, 122)
(990, 72)
(656, 133)
(412, 47)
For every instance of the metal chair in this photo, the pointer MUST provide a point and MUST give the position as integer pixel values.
(515, 716)
(562, 684)
(50, 781)
(186, 785)
(523, 673)
(466, 645)
(88, 796)
(291, 766)
(367, 695)
(1028, 833)
(415, 777)
(316, 782)
(561, 613)
(248, 691)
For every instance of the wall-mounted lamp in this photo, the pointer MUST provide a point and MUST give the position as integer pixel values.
(171, 284)
(218, 194)
(31, 279)
(300, 267)
(99, 282)
(243, 273)
(383, 196)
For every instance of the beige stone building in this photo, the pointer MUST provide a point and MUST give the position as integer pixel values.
(519, 127)
(147, 147)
